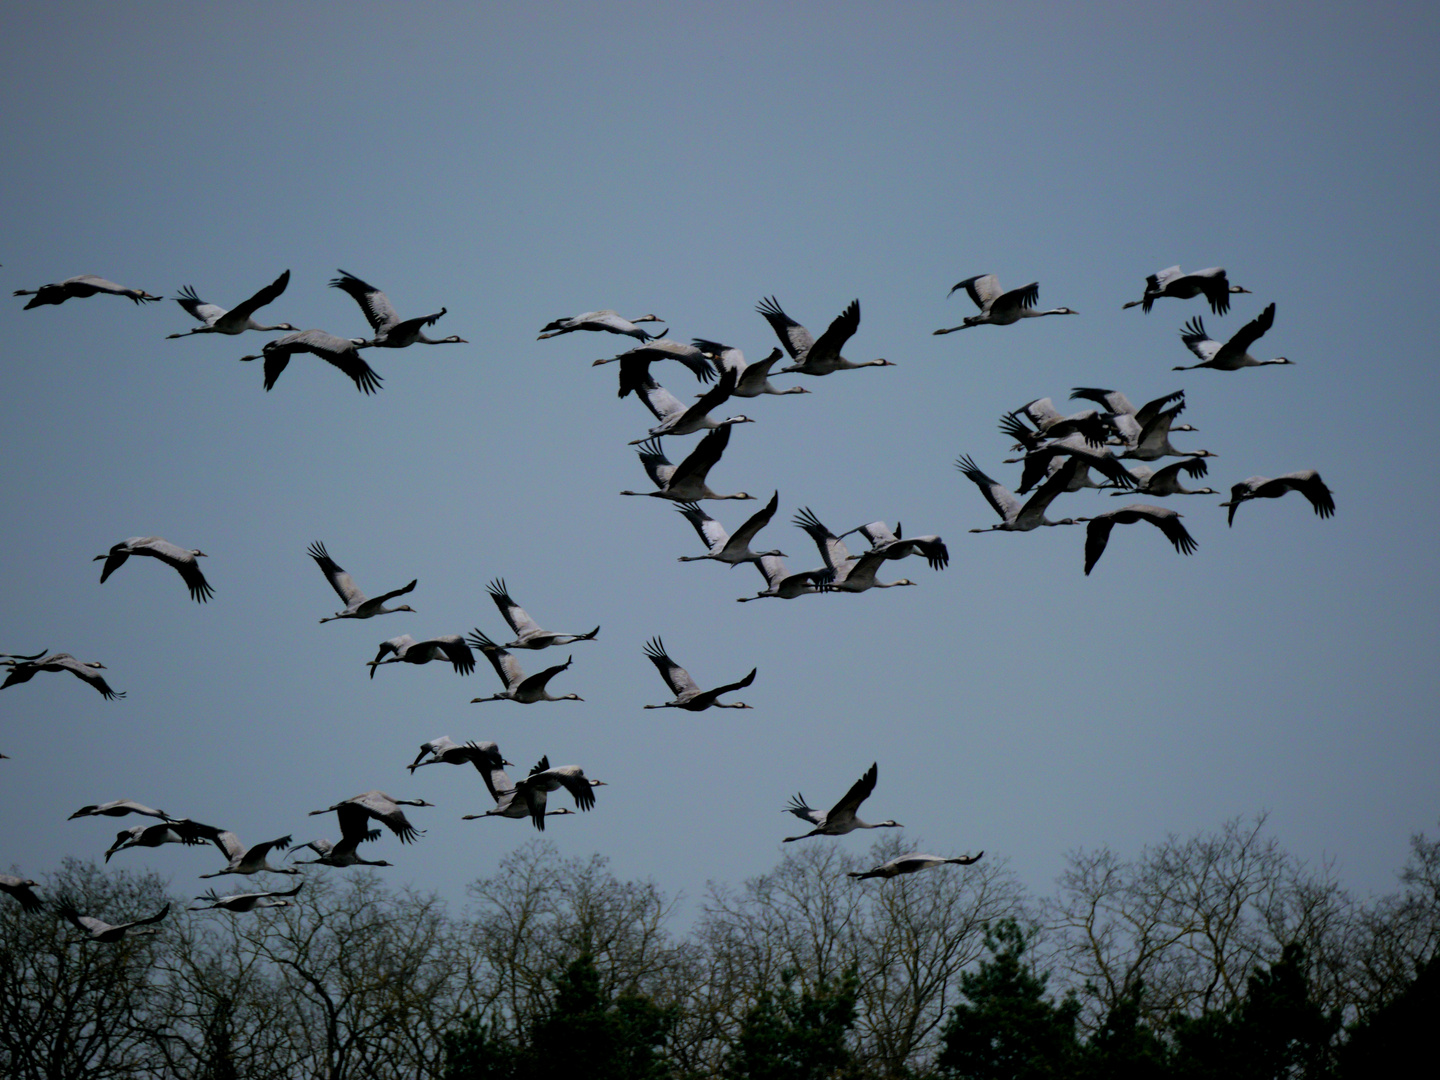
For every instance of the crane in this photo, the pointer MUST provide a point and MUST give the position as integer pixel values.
(685, 482)
(407, 650)
(82, 286)
(1000, 308)
(604, 319)
(729, 548)
(518, 687)
(357, 604)
(1038, 461)
(178, 831)
(105, 932)
(118, 808)
(1097, 532)
(391, 332)
(528, 634)
(1233, 354)
(217, 320)
(689, 696)
(1151, 441)
(520, 800)
(1017, 518)
(816, 356)
(245, 901)
(24, 668)
(847, 573)
(932, 548)
(242, 859)
(544, 779)
(446, 751)
(751, 380)
(356, 811)
(182, 559)
(1306, 481)
(840, 818)
(678, 419)
(783, 585)
(1211, 283)
(344, 353)
(1166, 481)
(911, 864)
(635, 363)
(22, 890)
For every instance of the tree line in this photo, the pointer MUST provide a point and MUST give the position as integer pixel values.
(1214, 955)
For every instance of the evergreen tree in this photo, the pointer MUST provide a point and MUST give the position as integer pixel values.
(1006, 1029)
(1125, 1047)
(786, 1036)
(1395, 1036)
(582, 1033)
(1275, 1031)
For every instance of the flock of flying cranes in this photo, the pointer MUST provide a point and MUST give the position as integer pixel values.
(1059, 452)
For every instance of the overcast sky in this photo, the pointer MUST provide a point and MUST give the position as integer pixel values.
(514, 165)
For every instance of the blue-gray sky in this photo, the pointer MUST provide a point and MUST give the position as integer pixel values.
(518, 165)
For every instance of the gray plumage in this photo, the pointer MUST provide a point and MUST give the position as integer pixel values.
(182, 559)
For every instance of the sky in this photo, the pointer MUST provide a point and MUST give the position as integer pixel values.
(518, 165)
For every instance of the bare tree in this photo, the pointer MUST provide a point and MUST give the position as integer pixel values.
(540, 912)
(75, 1008)
(1190, 918)
(908, 940)
(368, 975)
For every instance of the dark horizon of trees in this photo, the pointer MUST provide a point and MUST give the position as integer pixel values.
(1206, 956)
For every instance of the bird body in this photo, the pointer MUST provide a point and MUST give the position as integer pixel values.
(1211, 283)
(1306, 481)
(245, 901)
(22, 889)
(356, 812)
(523, 800)
(182, 559)
(932, 548)
(685, 482)
(357, 604)
(911, 864)
(751, 380)
(118, 808)
(100, 931)
(816, 356)
(604, 319)
(217, 320)
(729, 548)
(82, 286)
(407, 650)
(678, 419)
(343, 353)
(1097, 532)
(1017, 518)
(1233, 354)
(391, 332)
(246, 860)
(688, 695)
(1166, 481)
(24, 669)
(446, 751)
(635, 365)
(999, 308)
(177, 831)
(520, 688)
(783, 585)
(840, 818)
(528, 634)
(847, 573)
